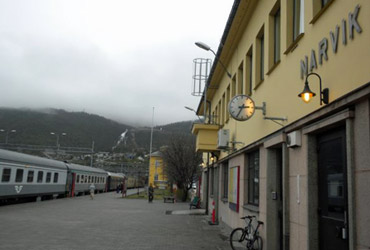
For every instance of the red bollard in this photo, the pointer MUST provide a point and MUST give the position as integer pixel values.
(213, 213)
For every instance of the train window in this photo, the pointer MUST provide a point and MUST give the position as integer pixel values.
(30, 176)
(85, 178)
(48, 177)
(56, 177)
(40, 176)
(78, 179)
(6, 175)
(95, 179)
(89, 178)
(19, 175)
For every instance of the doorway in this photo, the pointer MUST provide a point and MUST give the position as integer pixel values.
(332, 190)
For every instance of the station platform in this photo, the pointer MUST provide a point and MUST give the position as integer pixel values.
(109, 222)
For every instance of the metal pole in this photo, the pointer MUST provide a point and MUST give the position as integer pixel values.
(57, 142)
(151, 142)
(92, 154)
(6, 137)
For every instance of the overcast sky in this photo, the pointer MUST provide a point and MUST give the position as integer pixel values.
(114, 58)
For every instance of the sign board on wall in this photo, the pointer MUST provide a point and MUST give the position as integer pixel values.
(234, 179)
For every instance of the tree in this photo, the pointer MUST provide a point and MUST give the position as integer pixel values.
(182, 163)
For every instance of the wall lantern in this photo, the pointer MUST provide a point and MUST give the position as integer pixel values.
(307, 94)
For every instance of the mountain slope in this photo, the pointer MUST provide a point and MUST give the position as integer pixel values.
(33, 127)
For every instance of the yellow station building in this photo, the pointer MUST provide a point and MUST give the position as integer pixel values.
(301, 168)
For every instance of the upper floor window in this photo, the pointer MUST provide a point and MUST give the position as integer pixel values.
(249, 71)
(240, 84)
(298, 18)
(318, 8)
(262, 55)
(227, 100)
(324, 2)
(277, 36)
(253, 177)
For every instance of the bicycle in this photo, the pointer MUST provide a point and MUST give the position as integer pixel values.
(241, 238)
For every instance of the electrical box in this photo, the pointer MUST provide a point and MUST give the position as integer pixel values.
(223, 139)
(294, 139)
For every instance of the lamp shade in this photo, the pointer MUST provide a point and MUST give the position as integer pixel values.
(306, 94)
(203, 46)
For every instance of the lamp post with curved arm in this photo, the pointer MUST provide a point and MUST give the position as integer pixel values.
(7, 134)
(57, 135)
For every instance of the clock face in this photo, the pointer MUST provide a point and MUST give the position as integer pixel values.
(241, 107)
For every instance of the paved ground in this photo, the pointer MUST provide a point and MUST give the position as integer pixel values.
(106, 223)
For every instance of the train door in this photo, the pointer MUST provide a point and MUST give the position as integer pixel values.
(73, 185)
(332, 169)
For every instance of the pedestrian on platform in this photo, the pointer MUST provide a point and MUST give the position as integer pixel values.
(124, 188)
(150, 193)
(92, 190)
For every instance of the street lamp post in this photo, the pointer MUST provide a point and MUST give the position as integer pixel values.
(191, 109)
(7, 134)
(151, 143)
(57, 135)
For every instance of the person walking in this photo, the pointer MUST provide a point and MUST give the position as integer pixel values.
(92, 190)
(150, 193)
(124, 188)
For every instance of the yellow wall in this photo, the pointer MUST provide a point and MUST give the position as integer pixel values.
(159, 170)
(344, 71)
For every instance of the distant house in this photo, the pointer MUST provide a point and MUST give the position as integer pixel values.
(157, 177)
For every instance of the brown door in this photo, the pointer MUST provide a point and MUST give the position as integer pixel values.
(333, 228)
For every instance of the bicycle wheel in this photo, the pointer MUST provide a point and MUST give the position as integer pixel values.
(257, 244)
(237, 239)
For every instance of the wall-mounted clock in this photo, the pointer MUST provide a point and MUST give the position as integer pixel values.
(241, 107)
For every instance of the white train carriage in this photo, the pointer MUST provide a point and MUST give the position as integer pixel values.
(25, 175)
(81, 177)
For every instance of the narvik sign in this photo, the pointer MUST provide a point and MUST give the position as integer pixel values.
(334, 37)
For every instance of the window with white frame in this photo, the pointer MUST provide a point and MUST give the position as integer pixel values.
(298, 18)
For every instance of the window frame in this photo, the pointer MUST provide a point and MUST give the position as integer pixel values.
(249, 72)
(48, 177)
(298, 18)
(56, 178)
(30, 176)
(19, 175)
(253, 171)
(277, 36)
(40, 176)
(6, 175)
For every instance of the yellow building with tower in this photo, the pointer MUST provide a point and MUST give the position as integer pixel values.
(287, 130)
(157, 176)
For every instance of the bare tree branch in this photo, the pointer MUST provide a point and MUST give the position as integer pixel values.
(182, 163)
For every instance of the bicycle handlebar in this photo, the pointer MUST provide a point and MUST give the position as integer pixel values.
(250, 217)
